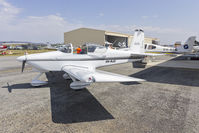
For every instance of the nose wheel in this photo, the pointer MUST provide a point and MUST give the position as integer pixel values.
(36, 82)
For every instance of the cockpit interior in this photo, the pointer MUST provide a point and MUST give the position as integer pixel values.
(88, 48)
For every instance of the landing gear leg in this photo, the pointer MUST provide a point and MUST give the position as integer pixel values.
(36, 82)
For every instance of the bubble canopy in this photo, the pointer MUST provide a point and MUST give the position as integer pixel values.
(91, 48)
(86, 48)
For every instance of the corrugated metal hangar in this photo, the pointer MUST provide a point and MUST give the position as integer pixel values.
(86, 35)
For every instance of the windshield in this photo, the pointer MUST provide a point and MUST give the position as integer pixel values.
(91, 48)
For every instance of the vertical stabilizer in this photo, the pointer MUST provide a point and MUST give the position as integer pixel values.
(188, 46)
(137, 45)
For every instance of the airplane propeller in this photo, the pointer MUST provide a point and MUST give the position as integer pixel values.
(23, 65)
(24, 59)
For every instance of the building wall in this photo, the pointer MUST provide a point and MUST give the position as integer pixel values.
(84, 35)
(130, 39)
(149, 40)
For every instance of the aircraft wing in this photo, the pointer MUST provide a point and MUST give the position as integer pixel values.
(87, 75)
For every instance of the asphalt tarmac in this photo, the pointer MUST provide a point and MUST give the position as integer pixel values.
(168, 102)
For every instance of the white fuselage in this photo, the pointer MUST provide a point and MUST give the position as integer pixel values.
(56, 60)
(158, 48)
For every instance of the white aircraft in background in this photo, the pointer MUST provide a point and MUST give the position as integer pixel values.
(196, 46)
(181, 49)
(50, 47)
(81, 68)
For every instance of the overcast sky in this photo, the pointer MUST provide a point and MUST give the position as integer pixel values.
(47, 20)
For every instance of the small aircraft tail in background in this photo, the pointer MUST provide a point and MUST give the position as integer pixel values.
(187, 47)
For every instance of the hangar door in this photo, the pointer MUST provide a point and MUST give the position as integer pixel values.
(117, 41)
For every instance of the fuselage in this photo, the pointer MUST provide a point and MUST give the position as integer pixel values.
(56, 60)
(153, 48)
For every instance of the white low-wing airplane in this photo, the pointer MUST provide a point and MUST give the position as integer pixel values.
(81, 68)
(186, 48)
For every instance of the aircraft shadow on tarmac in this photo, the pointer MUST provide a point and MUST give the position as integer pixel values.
(169, 75)
(130, 83)
(69, 106)
(20, 86)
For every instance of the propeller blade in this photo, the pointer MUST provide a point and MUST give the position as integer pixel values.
(23, 65)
